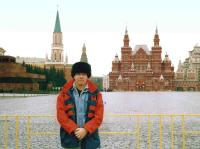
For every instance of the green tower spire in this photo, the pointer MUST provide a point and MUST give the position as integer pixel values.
(84, 55)
(57, 27)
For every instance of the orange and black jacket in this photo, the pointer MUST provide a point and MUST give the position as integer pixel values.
(66, 116)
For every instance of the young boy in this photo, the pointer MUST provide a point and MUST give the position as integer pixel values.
(80, 110)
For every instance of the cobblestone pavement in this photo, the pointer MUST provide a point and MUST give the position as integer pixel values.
(109, 141)
(46, 105)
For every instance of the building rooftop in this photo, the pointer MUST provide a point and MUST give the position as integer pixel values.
(142, 46)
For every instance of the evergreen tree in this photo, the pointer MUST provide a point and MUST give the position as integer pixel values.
(53, 76)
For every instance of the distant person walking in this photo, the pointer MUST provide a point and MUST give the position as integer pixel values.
(80, 110)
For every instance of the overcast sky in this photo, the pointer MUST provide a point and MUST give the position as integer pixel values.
(26, 27)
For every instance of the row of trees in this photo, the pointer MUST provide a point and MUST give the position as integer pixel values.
(54, 78)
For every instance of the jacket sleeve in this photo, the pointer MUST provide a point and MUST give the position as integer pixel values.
(94, 123)
(63, 119)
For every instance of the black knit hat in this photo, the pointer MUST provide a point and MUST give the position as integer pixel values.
(81, 67)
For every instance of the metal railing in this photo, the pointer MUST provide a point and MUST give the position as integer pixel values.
(14, 121)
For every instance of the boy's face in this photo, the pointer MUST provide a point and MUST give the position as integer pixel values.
(81, 79)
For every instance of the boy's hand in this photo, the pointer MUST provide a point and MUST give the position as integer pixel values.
(80, 133)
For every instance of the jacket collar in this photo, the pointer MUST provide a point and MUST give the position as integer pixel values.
(91, 86)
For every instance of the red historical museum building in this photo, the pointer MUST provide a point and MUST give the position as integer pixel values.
(141, 69)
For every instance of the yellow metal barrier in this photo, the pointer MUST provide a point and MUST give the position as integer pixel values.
(137, 132)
